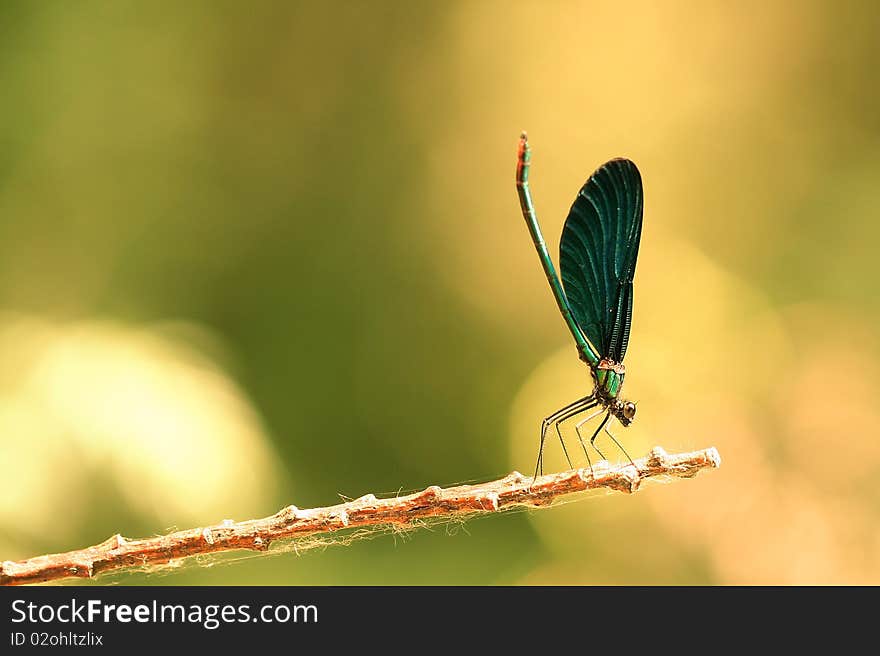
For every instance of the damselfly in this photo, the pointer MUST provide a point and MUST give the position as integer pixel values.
(597, 259)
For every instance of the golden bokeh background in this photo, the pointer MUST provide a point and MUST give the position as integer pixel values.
(262, 254)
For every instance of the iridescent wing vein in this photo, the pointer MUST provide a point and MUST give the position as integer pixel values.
(598, 250)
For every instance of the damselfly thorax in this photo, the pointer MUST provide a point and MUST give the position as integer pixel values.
(608, 380)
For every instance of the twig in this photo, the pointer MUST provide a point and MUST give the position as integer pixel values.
(118, 553)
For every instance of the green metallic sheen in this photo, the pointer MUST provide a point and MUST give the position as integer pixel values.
(586, 350)
(597, 255)
(612, 387)
(608, 383)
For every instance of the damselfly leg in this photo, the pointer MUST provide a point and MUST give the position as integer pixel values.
(577, 429)
(569, 411)
(602, 425)
(620, 446)
(605, 425)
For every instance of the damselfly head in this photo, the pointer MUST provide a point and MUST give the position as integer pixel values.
(625, 411)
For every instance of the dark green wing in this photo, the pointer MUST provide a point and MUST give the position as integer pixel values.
(600, 242)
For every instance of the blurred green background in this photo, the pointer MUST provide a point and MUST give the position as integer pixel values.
(254, 254)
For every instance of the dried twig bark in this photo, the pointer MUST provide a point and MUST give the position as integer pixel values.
(118, 553)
